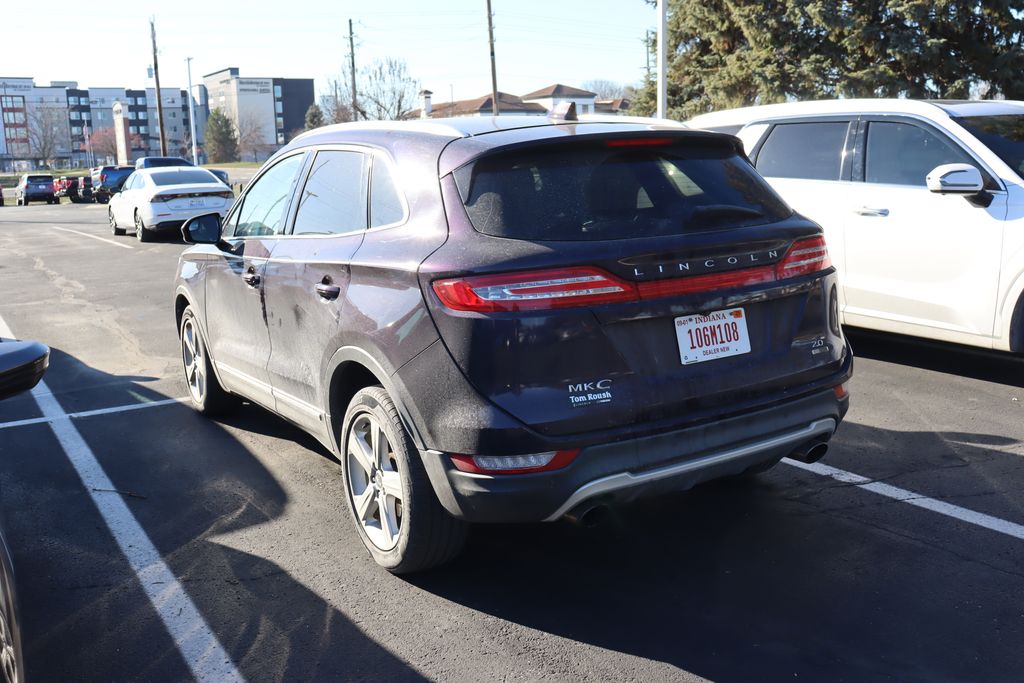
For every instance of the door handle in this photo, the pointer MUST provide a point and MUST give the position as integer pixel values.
(327, 291)
(251, 278)
(870, 211)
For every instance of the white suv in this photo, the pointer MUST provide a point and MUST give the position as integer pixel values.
(922, 203)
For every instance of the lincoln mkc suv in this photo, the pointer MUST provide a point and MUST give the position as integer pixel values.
(516, 319)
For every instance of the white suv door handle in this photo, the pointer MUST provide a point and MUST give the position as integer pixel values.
(868, 211)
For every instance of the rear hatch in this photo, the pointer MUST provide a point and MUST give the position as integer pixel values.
(630, 279)
(39, 183)
(190, 189)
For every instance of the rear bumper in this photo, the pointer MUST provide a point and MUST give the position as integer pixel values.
(626, 470)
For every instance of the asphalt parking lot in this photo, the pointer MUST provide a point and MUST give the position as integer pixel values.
(901, 557)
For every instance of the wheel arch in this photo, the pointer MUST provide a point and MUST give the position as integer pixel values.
(183, 300)
(351, 369)
(1010, 333)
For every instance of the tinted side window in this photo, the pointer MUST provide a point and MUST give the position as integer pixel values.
(903, 154)
(385, 204)
(813, 151)
(334, 198)
(263, 207)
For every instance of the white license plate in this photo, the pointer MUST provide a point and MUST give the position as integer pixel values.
(196, 203)
(708, 336)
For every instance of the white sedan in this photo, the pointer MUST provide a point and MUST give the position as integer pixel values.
(157, 199)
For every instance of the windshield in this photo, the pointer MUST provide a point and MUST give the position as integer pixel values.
(615, 189)
(183, 176)
(1003, 134)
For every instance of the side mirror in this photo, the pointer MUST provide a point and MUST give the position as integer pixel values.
(22, 364)
(955, 179)
(203, 229)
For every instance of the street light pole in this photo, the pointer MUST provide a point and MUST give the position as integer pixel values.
(192, 113)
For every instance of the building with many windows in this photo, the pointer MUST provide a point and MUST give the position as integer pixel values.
(54, 126)
(266, 111)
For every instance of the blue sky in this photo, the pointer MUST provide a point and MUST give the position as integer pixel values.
(537, 42)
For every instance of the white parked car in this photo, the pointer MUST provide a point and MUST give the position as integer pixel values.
(157, 199)
(922, 203)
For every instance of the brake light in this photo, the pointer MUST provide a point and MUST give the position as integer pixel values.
(805, 256)
(514, 464)
(590, 286)
(638, 142)
(561, 288)
(103, 177)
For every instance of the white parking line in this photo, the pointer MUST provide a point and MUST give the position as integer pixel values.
(195, 640)
(904, 496)
(97, 411)
(95, 237)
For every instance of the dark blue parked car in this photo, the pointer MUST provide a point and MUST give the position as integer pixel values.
(516, 320)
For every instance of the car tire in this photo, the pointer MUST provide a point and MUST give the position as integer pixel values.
(206, 394)
(397, 515)
(114, 228)
(19, 202)
(141, 234)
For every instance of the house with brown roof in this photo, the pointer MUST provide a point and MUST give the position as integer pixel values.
(537, 103)
(554, 95)
(480, 106)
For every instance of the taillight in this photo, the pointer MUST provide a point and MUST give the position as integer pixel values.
(638, 142)
(805, 256)
(561, 288)
(160, 198)
(590, 286)
(514, 464)
(103, 177)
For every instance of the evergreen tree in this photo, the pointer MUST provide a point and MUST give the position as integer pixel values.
(732, 53)
(221, 141)
(314, 117)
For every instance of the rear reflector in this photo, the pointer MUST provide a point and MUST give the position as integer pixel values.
(514, 464)
(589, 286)
(840, 391)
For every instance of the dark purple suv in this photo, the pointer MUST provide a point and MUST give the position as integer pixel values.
(516, 320)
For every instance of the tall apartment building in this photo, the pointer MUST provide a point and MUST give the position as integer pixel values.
(266, 111)
(54, 124)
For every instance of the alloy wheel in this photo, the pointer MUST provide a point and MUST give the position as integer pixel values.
(375, 485)
(193, 360)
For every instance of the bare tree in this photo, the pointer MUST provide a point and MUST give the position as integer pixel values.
(48, 132)
(387, 91)
(104, 143)
(609, 90)
(250, 136)
(334, 102)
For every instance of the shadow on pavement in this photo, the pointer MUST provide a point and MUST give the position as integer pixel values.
(788, 576)
(999, 367)
(190, 484)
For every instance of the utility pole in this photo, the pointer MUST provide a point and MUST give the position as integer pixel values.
(648, 43)
(662, 39)
(191, 114)
(352, 69)
(494, 73)
(159, 100)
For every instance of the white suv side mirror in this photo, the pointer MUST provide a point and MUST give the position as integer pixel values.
(955, 179)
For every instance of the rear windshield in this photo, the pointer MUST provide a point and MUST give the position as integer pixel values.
(611, 190)
(40, 179)
(183, 176)
(156, 162)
